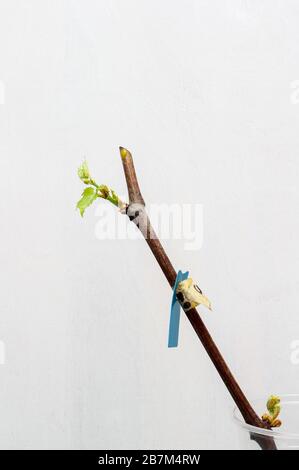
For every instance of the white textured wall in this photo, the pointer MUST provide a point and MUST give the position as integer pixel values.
(200, 91)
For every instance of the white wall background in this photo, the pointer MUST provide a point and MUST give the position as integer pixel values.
(200, 91)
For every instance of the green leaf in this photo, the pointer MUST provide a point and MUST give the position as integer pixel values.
(88, 196)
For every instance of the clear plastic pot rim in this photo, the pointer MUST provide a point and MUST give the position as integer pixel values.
(277, 433)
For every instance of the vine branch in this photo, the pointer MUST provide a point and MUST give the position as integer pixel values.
(136, 212)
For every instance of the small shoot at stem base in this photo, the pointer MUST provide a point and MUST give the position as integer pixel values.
(274, 408)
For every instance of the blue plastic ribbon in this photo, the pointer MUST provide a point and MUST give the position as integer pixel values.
(175, 313)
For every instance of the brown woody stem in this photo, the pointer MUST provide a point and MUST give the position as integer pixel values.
(131, 178)
(136, 212)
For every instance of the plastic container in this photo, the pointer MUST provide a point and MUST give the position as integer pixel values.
(285, 437)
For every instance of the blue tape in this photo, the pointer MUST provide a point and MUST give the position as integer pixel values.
(175, 313)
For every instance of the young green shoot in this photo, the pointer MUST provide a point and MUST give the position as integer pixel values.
(273, 407)
(94, 191)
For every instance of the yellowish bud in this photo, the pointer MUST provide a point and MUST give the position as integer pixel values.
(83, 173)
(123, 152)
